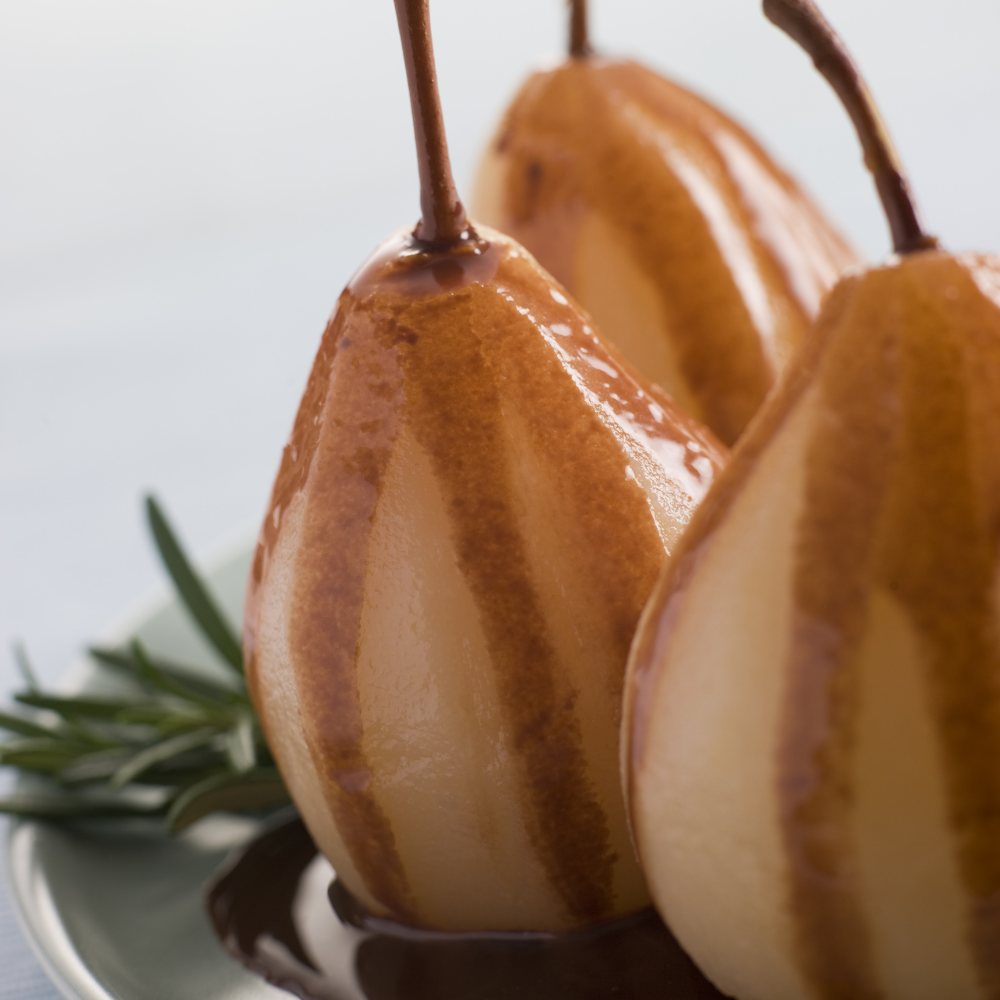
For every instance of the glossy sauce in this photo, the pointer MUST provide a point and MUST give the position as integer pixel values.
(736, 254)
(904, 457)
(257, 904)
(462, 352)
(473, 507)
(900, 507)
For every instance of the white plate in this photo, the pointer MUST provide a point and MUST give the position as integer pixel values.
(117, 913)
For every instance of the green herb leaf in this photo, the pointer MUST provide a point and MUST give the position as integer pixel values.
(64, 806)
(159, 752)
(261, 789)
(24, 665)
(241, 746)
(186, 677)
(47, 754)
(73, 708)
(170, 684)
(171, 739)
(192, 590)
(97, 766)
(23, 727)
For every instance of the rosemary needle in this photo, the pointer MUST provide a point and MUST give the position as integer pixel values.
(194, 740)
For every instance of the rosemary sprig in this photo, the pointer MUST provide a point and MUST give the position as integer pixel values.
(175, 744)
(192, 591)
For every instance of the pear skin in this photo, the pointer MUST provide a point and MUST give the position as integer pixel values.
(812, 724)
(473, 507)
(702, 260)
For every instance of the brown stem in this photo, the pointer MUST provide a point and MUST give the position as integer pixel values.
(443, 219)
(579, 36)
(802, 20)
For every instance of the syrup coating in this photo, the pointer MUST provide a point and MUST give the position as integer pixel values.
(836, 754)
(271, 910)
(473, 507)
(702, 260)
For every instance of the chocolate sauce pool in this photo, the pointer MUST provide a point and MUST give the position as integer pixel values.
(277, 908)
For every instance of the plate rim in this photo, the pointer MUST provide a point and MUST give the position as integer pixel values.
(30, 895)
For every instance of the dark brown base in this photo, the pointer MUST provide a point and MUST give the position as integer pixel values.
(256, 903)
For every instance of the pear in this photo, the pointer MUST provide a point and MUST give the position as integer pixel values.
(699, 257)
(473, 507)
(811, 737)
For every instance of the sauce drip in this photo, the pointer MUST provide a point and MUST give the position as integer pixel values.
(256, 903)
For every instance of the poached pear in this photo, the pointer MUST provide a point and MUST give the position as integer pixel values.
(811, 742)
(473, 507)
(699, 257)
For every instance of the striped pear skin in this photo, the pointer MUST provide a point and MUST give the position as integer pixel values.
(702, 260)
(472, 510)
(811, 742)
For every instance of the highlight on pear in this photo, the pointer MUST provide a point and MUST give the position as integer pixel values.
(811, 737)
(699, 257)
(474, 504)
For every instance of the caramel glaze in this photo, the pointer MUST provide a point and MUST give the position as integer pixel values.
(848, 465)
(452, 347)
(940, 551)
(903, 492)
(914, 458)
(738, 255)
(658, 618)
(252, 905)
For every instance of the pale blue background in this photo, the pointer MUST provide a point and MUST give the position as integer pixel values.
(185, 186)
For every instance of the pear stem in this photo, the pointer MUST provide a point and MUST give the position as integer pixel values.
(579, 35)
(802, 20)
(443, 220)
